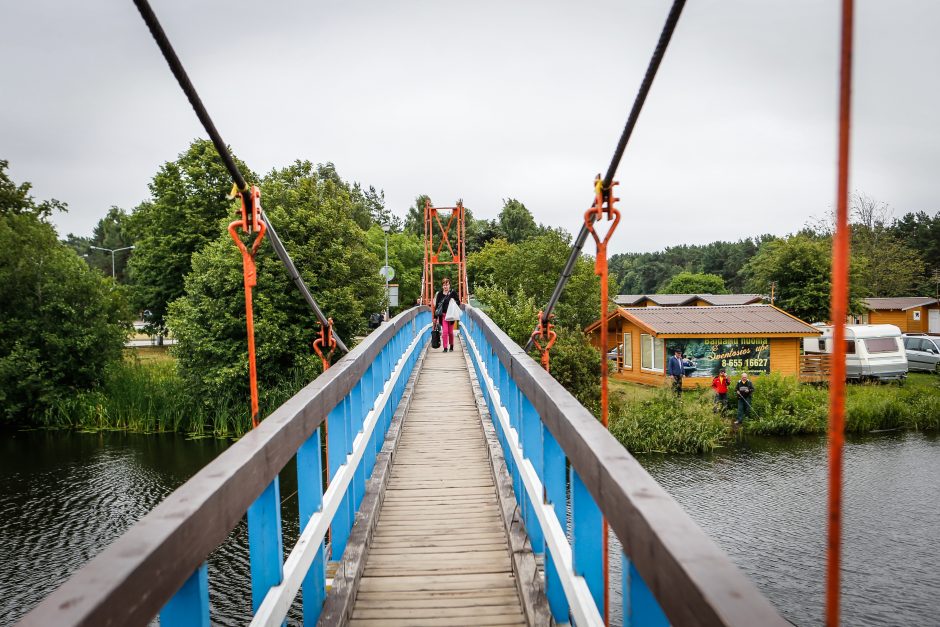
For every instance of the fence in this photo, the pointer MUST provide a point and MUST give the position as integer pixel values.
(815, 367)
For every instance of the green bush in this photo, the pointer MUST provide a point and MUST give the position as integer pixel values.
(667, 424)
(783, 406)
(577, 366)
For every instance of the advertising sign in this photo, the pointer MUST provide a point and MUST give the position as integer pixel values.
(703, 357)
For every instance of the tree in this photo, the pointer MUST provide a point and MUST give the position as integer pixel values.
(801, 266)
(920, 232)
(694, 283)
(516, 222)
(414, 220)
(531, 269)
(315, 220)
(188, 209)
(61, 323)
(406, 256)
(480, 232)
(110, 232)
(574, 362)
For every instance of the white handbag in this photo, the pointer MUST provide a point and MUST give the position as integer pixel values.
(453, 312)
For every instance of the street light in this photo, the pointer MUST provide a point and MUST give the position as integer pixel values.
(385, 227)
(112, 251)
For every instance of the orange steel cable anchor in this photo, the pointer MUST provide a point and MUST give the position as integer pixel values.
(326, 339)
(840, 296)
(546, 333)
(603, 204)
(250, 223)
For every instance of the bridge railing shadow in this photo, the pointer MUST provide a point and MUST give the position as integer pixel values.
(561, 459)
(159, 565)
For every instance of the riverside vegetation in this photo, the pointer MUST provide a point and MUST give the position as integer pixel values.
(145, 393)
(65, 320)
(654, 420)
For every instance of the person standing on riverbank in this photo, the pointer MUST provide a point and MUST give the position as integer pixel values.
(676, 371)
(720, 385)
(745, 391)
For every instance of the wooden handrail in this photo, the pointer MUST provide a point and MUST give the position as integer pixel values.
(130, 581)
(691, 578)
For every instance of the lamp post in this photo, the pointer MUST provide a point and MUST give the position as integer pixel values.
(385, 227)
(112, 251)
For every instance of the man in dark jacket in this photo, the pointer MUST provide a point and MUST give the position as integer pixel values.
(744, 390)
(675, 370)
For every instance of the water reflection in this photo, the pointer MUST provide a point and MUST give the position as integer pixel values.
(764, 503)
(66, 496)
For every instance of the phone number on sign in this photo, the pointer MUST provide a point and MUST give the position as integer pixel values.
(754, 362)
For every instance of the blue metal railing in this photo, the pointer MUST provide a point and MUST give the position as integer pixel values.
(561, 460)
(158, 566)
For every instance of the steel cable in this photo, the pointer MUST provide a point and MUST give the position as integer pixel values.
(176, 66)
(660, 51)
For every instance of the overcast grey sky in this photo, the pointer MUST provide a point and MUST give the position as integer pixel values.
(484, 101)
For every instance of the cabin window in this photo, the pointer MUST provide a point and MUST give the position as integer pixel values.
(651, 352)
(881, 345)
(850, 347)
(626, 351)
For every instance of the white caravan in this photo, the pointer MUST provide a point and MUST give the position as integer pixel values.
(872, 351)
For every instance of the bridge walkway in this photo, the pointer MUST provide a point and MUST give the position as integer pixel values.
(440, 554)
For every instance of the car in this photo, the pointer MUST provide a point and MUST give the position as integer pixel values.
(923, 352)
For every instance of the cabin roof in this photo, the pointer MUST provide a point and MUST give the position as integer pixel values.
(717, 320)
(903, 302)
(673, 300)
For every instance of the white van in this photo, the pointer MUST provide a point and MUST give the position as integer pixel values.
(873, 351)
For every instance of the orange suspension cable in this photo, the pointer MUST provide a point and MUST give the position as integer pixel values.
(250, 223)
(603, 204)
(545, 332)
(840, 296)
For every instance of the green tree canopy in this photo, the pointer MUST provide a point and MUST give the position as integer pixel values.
(314, 214)
(694, 283)
(414, 220)
(406, 256)
(187, 210)
(801, 266)
(480, 232)
(531, 269)
(921, 232)
(516, 222)
(61, 323)
(574, 362)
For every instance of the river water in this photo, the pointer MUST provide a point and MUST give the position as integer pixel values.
(65, 496)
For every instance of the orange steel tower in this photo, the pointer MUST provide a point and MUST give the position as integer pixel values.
(437, 235)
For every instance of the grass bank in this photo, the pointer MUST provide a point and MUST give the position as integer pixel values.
(653, 420)
(145, 394)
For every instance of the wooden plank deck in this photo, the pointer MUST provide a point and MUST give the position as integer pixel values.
(440, 555)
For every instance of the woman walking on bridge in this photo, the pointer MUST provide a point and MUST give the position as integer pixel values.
(441, 302)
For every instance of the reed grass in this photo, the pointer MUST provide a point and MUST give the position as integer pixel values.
(149, 396)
